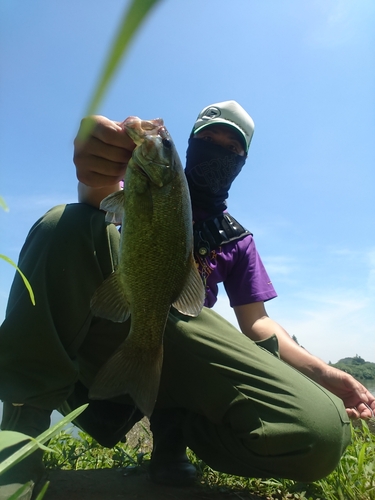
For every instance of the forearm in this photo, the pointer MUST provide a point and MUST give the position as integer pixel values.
(93, 196)
(289, 350)
(255, 323)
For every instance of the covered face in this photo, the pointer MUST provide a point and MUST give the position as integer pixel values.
(216, 153)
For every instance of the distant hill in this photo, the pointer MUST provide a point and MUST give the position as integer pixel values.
(357, 367)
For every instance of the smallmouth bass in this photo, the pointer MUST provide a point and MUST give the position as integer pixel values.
(156, 267)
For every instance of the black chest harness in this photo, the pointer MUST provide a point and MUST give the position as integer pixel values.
(215, 231)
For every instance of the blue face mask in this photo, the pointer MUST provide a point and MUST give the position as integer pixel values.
(210, 171)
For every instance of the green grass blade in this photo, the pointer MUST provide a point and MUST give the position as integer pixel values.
(42, 491)
(16, 495)
(132, 19)
(27, 284)
(361, 458)
(3, 205)
(10, 438)
(34, 444)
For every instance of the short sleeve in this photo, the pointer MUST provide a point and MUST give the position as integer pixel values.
(247, 280)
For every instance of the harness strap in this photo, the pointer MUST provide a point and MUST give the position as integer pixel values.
(215, 231)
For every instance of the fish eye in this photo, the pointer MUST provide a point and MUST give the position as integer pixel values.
(167, 143)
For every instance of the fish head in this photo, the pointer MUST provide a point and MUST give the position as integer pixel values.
(155, 154)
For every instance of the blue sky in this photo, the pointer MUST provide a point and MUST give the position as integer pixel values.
(303, 70)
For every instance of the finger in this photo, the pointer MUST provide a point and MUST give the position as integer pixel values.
(362, 410)
(97, 180)
(94, 147)
(352, 413)
(366, 411)
(99, 172)
(105, 130)
(371, 400)
(113, 133)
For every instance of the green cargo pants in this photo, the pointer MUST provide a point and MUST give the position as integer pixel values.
(248, 413)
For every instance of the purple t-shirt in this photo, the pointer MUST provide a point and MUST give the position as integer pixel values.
(239, 267)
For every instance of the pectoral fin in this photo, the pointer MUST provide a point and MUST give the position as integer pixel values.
(114, 218)
(113, 204)
(109, 300)
(191, 299)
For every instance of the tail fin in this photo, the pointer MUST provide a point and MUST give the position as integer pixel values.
(132, 371)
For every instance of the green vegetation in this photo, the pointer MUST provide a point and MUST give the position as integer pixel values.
(25, 280)
(133, 18)
(353, 479)
(7, 259)
(360, 369)
(10, 438)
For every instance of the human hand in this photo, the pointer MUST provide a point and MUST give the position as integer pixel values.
(358, 401)
(101, 158)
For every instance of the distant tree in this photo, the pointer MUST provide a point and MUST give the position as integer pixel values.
(357, 367)
(357, 360)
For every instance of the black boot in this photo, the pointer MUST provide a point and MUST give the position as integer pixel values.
(31, 421)
(169, 463)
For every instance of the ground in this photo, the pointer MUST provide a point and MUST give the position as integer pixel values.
(116, 484)
(129, 484)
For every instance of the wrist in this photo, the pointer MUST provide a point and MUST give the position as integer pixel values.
(315, 369)
(93, 196)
